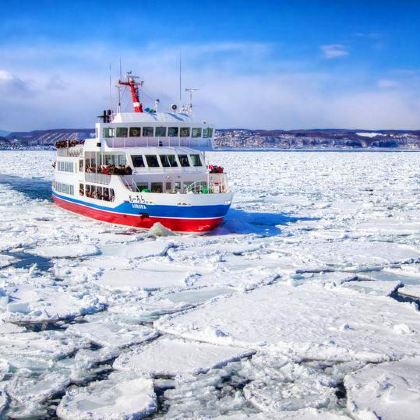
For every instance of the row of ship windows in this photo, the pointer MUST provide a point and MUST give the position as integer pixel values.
(99, 193)
(63, 188)
(65, 166)
(109, 132)
(140, 161)
(165, 161)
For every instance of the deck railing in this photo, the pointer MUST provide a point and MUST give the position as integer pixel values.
(74, 151)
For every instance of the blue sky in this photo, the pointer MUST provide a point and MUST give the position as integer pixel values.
(266, 64)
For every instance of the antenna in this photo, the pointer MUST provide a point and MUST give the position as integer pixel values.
(180, 76)
(119, 89)
(190, 91)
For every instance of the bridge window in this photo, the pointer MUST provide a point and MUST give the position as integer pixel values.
(122, 131)
(183, 160)
(195, 160)
(196, 132)
(152, 161)
(108, 132)
(168, 161)
(135, 131)
(160, 131)
(172, 131)
(184, 132)
(147, 131)
(156, 187)
(207, 132)
(138, 161)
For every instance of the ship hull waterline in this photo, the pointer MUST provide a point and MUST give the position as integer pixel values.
(183, 225)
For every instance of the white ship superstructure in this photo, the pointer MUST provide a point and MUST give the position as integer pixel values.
(143, 167)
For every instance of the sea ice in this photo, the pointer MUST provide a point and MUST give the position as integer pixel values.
(167, 356)
(388, 391)
(121, 396)
(112, 333)
(307, 321)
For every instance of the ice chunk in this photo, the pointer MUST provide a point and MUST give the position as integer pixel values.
(121, 396)
(410, 290)
(167, 356)
(139, 249)
(6, 260)
(388, 391)
(112, 333)
(374, 287)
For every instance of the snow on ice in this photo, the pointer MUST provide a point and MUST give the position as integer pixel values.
(303, 304)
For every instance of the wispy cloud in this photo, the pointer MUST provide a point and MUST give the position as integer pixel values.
(333, 51)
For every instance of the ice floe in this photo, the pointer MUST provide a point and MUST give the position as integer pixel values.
(118, 397)
(388, 391)
(309, 321)
(167, 356)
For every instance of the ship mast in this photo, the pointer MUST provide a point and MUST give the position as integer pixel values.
(134, 88)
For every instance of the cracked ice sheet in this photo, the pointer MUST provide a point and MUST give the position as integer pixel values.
(308, 321)
(389, 391)
(181, 357)
(112, 333)
(34, 305)
(121, 396)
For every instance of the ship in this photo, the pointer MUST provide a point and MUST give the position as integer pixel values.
(144, 167)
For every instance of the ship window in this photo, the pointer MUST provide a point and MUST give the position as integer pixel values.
(168, 186)
(160, 131)
(135, 131)
(80, 165)
(111, 194)
(147, 131)
(183, 160)
(156, 187)
(168, 161)
(108, 132)
(81, 189)
(138, 161)
(196, 132)
(184, 132)
(105, 195)
(122, 131)
(143, 187)
(172, 131)
(177, 187)
(196, 161)
(152, 161)
(207, 132)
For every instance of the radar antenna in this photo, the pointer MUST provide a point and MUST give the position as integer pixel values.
(134, 88)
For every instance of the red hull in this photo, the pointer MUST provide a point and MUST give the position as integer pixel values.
(176, 225)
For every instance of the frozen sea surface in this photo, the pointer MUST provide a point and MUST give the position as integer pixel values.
(303, 304)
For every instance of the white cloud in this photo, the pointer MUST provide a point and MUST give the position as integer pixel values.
(332, 51)
(237, 88)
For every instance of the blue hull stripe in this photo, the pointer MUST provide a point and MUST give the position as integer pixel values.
(155, 210)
